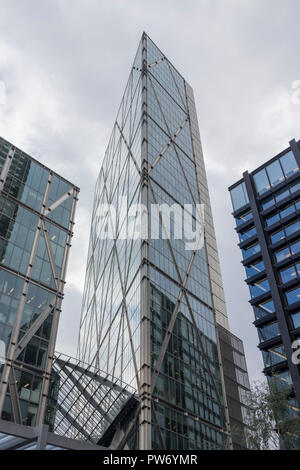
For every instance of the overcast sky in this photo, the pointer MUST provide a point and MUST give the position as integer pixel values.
(65, 64)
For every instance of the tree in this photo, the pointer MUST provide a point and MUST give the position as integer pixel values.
(271, 417)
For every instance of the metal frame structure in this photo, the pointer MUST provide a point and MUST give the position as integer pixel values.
(87, 401)
(18, 437)
(17, 342)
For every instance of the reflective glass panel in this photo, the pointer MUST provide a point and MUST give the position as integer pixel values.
(251, 250)
(292, 228)
(296, 319)
(295, 248)
(256, 268)
(281, 195)
(275, 173)
(293, 296)
(276, 237)
(239, 196)
(264, 309)
(289, 164)
(274, 356)
(259, 288)
(288, 274)
(248, 234)
(287, 211)
(282, 254)
(268, 331)
(243, 218)
(272, 220)
(261, 182)
(268, 203)
(294, 187)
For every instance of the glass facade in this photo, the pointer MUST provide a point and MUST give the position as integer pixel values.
(275, 173)
(273, 273)
(36, 222)
(150, 306)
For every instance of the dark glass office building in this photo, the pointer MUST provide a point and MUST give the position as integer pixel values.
(150, 306)
(37, 209)
(266, 206)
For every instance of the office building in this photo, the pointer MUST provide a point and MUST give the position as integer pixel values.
(237, 386)
(37, 209)
(266, 204)
(151, 307)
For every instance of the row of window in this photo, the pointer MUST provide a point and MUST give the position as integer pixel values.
(290, 273)
(287, 251)
(266, 308)
(275, 173)
(283, 213)
(280, 255)
(280, 195)
(285, 232)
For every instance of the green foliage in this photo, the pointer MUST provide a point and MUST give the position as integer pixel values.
(272, 418)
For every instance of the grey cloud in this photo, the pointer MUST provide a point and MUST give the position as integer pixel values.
(66, 62)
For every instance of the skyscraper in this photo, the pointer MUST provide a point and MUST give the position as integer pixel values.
(37, 209)
(266, 204)
(151, 306)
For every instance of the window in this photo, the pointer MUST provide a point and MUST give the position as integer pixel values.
(292, 228)
(288, 274)
(243, 218)
(281, 195)
(293, 296)
(251, 250)
(275, 173)
(296, 319)
(256, 268)
(288, 251)
(239, 196)
(274, 356)
(277, 236)
(261, 182)
(295, 248)
(267, 306)
(289, 164)
(284, 379)
(268, 203)
(268, 332)
(294, 187)
(282, 254)
(282, 214)
(259, 288)
(248, 234)
(272, 220)
(287, 211)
